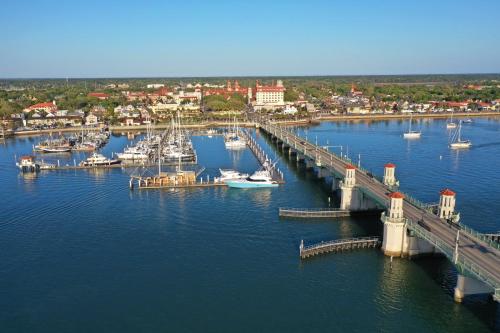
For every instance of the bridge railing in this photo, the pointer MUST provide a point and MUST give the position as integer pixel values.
(462, 262)
(311, 209)
(480, 236)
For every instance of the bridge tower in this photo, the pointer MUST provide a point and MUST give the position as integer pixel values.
(390, 175)
(348, 195)
(394, 226)
(446, 209)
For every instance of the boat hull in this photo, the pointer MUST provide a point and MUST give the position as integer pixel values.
(246, 184)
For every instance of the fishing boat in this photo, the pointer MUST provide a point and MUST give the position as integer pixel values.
(98, 160)
(457, 142)
(411, 134)
(230, 174)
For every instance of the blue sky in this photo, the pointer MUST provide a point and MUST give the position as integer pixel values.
(247, 38)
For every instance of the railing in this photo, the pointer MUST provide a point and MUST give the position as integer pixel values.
(480, 236)
(341, 241)
(311, 209)
(461, 262)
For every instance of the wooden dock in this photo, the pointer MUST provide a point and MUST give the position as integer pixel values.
(313, 212)
(338, 246)
(262, 157)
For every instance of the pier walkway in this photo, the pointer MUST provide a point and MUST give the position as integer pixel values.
(313, 212)
(477, 257)
(262, 157)
(338, 245)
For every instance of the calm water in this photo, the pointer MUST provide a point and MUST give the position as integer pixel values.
(79, 252)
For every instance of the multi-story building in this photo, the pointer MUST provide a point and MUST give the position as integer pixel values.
(46, 107)
(269, 97)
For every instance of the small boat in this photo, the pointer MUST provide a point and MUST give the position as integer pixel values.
(457, 141)
(230, 174)
(235, 142)
(411, 134)
(259, 179)
(451, 123)
(28, 164)
(98, 160)
(467, 121)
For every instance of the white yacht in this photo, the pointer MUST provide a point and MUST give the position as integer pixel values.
(133, 153)
(98, 160)
(234, 141)
(457, 141)
(259, 179)
(230, 174)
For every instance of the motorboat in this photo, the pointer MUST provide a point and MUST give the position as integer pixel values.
(259, 179)
(98, 160)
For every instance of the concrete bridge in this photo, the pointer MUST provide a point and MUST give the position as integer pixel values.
(411, 228)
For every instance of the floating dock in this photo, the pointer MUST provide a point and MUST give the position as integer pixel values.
(338, 245)
(112, 166)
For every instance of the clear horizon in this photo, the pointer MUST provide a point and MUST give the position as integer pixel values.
(54, 39)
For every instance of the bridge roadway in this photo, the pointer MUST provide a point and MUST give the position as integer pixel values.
(472, 252)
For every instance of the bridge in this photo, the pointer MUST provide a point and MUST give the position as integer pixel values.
(410, 227)
(338, 245)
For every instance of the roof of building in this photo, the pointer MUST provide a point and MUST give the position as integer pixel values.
(98, 94)
(447, 192)
(396, 195)
(390, 165)
(350, 167)
(42, 106)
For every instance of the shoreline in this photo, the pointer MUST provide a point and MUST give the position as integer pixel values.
(307, 121)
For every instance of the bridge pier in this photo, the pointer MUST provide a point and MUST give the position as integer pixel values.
(348, 191)
(469, 286)
(394, 227)
(309, 163)
(323, 172)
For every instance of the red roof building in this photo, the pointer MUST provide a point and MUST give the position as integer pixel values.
(99, 95)
(390, 165)
(47, 107)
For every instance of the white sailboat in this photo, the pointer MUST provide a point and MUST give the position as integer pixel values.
(234, 139)
(411, 134)
(451, 123)
(457, 142)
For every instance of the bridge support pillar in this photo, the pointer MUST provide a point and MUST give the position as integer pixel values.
(469, 286)
(323, 172)
(309, 163)
(348, 193)
(394, 240)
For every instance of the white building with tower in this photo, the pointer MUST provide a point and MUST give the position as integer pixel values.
(269, 97)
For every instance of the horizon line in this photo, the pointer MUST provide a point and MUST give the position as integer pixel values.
(245, 76)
